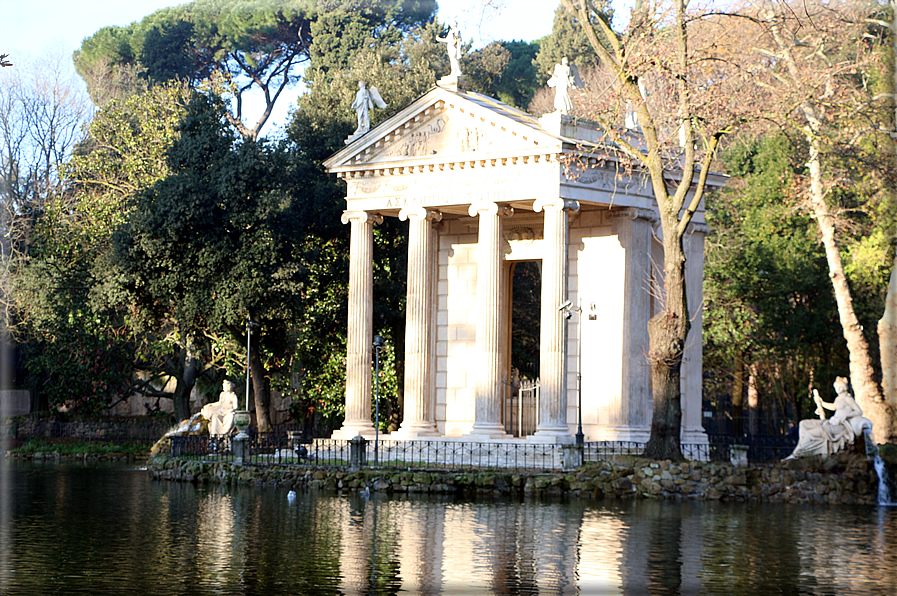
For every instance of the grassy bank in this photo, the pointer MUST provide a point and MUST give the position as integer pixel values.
(79, 448)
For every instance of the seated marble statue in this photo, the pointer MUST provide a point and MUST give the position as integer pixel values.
(827, 437)
(220, 414)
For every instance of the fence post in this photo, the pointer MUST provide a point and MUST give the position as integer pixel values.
(357, 453)
(738, 455)
(240, 448)
(571, 456)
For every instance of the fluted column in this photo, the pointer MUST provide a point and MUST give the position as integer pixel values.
(418, 419)
(553, 339)
(360, 325)
(487, 412)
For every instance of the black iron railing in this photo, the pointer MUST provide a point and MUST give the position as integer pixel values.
(760, 448)
(278, 448)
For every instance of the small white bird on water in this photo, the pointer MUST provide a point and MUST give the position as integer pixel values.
(291, 496)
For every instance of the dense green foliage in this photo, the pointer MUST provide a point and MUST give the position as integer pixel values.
(77, 352)
(567, 40)
(227, 235)
(234, 46)
(504, 70)
(770, 313)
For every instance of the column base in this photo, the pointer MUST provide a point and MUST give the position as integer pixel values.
(554, 437)
(410, 432)
(485, 432)
(351, 430)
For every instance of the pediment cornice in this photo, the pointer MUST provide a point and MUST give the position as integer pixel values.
(446, 130)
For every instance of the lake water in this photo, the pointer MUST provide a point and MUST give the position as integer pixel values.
(74, 529)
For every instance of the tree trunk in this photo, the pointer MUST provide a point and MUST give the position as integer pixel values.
(862, 371)
(753, 395)
(738, 395)
(260, 391)
(667, 331)
(186, 382)
(887, 341)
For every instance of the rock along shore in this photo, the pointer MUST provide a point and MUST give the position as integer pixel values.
(843, 479)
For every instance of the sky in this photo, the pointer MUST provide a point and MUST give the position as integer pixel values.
(32, 27)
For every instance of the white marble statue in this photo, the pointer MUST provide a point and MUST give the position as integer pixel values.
(565, 76)
(826, 437)
(220, 414)
(452, 40)
(365, 99)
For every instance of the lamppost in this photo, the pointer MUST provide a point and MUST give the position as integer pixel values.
(379, 343)
(249, 325)
(580, 438)
(568, 309)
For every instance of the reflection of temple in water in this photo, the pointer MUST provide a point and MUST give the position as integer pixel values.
(416, 545)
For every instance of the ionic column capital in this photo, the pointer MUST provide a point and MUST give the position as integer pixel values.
(361, 217)
(420, 213)
(556, 203)
(489, 208)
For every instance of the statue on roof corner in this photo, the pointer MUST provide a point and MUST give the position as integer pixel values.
(365, 99)
(452, 40)
(565, 76)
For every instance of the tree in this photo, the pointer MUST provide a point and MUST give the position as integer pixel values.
(770, 320)
(218, 240)
(657, 51)
(77, 350)
(504, 70)
(42, 118)
(519, 80)
(569, 40)
(237, 47)
(820, 66)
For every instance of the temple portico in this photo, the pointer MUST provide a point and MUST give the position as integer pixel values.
(484, 187)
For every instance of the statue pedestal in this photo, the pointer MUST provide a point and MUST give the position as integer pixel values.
(352, 138)
(241, 441)
(453, 82)
(240, 448)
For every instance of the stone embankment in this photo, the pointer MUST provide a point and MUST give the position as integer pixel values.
(839, 480)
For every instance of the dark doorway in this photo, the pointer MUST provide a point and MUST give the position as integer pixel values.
(521, 407)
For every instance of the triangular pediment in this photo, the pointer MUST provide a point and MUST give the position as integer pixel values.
(444, 126)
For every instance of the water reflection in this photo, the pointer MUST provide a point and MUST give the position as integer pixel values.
(99, 531)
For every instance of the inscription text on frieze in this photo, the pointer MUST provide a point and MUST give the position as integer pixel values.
(447, 198)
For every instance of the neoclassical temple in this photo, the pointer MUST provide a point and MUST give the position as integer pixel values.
(484, 187)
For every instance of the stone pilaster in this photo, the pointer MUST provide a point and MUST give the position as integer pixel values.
(418, 419)
(360, 328)
(633, 228)
(692, 363)
(487, 412)
(553, 340)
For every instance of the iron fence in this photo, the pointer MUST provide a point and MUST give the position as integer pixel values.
(279, 449)
(459, 455)
(263, 449)
(760, 448)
